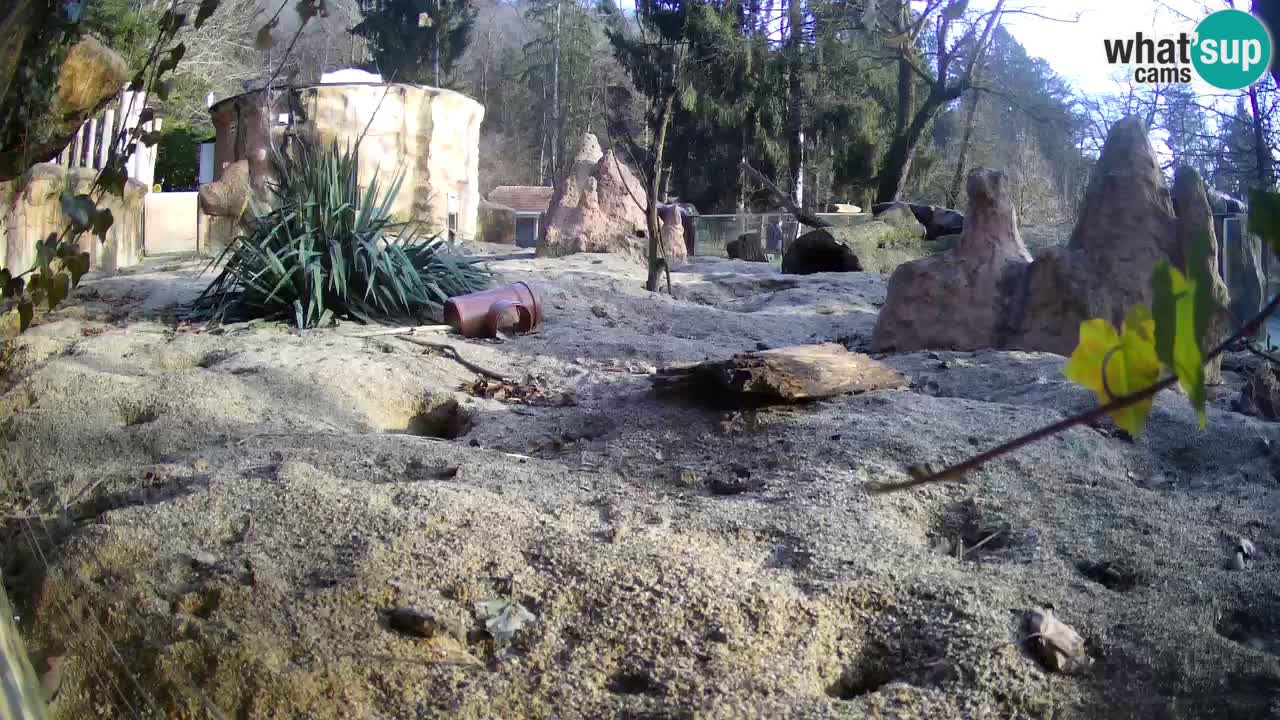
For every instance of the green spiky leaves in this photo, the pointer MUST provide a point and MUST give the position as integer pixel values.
(331, 249)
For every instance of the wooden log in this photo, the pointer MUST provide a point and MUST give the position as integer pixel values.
(790, 374)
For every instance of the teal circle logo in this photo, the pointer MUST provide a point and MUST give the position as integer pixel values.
(1232, 49)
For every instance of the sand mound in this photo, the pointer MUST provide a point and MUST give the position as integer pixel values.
(227, 519)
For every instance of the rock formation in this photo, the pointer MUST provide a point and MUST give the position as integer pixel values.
(746, 247)
(937, 221)
(958, 299)
(228, 204)
(496, 224)
(878, 244)
(599, 207)
(1126, 227)
(818, 251)
(986, 292)
(90, 76)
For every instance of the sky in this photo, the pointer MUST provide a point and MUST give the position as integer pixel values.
(1074, 49)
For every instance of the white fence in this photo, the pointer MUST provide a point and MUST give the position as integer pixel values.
(92, 144)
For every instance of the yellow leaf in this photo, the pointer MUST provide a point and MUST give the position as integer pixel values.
(1128, 359)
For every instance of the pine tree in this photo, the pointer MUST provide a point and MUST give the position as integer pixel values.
(416, 41)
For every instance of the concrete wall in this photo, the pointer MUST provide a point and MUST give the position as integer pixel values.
(30, 211)
(170, 224)
(432, 135)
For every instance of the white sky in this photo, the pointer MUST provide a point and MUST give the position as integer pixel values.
(1074, 49)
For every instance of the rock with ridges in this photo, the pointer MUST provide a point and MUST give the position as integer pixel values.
(959, 298)
(607, 216)
(1126, 227)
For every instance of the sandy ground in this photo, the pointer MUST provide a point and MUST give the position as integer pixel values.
(216, 524)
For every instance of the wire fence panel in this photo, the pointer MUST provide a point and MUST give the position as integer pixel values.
(716, 231)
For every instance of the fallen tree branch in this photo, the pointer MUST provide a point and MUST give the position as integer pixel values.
(453, 352)
(782, 199)
(920, 475)
(405, 331)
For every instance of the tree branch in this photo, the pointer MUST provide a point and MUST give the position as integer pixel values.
(957, 471)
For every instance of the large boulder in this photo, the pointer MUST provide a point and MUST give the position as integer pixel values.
(606, 216)
(1244, 264)
(987, 293)
(90, 76)
(1126, 227)
(959, 299)
(885, 242)
(496, 224)
(818, 251)
(936, 221)
(746, 247)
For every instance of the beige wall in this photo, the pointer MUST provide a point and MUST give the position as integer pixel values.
(30, 211)
(433, 135)
(170, 223)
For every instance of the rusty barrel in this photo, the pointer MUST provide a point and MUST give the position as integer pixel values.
(512, 308)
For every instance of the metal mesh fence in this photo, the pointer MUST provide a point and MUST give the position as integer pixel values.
(715, 231)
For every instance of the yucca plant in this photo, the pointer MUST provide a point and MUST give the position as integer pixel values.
(331, 250)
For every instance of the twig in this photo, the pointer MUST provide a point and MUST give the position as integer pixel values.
(955, 472)
(405, 331)
(451, 350)
(982, 542)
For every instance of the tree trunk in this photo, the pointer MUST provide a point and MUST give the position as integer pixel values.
(655, 186)
(796, 104)
(557, 117)
(1261, 151)
(953, 194)
(897, 165)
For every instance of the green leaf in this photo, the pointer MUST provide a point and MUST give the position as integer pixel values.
(1113, 364)
(170, 63)
(1264, 216)
(14, 288)
(102, 222)
(77, 265)
(1199, 261)
(263, 40)
(58, 290)
(207, 8)
(25, 313)
(1175, 302)
(113, 179)
(164, 88)
(79, 209)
